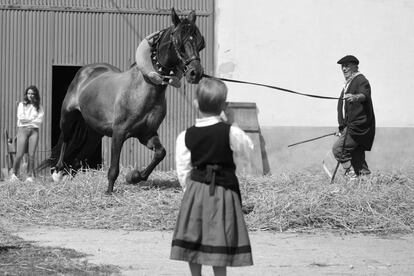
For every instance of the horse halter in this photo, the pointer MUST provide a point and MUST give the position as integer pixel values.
(184, 61)
(163, 69)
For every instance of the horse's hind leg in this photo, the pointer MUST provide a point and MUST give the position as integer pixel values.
(154, 144)
(67, 123)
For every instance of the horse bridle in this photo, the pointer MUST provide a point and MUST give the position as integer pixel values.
(163, 69)
(184, 61)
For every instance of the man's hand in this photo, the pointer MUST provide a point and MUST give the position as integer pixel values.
(155, 77)
(172, 80)
(338, 133)
(354, 98)
(350, 98)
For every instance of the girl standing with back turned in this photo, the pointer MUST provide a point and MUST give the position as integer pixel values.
(210, 228)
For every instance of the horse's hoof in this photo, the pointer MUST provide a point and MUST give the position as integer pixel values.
(109, 192)
(57, 176)
(133, 177)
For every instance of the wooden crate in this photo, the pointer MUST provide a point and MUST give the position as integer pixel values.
(244, 115)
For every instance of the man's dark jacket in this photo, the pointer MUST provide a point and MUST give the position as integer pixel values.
(359, 116)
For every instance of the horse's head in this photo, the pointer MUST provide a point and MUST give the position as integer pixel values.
(188, 42)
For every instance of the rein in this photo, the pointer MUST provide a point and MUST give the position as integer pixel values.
(164, 69)
(272, 87)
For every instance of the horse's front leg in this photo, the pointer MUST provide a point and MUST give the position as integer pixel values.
(154, 144)
(113, 172)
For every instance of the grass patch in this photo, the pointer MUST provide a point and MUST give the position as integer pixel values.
(19, 257)
(287, 202)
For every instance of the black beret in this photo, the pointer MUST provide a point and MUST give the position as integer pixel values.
(348, 59)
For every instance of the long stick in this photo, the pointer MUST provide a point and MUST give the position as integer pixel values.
(334, 173)
(291, 145)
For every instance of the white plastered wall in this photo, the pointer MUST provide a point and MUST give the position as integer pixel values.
(295, 44)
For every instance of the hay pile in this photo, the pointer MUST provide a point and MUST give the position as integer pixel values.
(287, 202)
(380, 203)
(81, 202)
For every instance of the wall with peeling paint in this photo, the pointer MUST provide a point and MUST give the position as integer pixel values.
(295, 44)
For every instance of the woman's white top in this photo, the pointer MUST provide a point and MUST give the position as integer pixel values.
(28, 116)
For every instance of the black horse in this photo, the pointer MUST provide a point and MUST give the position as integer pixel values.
(103, 101)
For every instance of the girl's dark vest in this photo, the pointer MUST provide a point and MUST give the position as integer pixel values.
(210, 145)
(211, 154)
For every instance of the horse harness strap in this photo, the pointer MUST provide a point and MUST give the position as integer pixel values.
(154, 41)
(180, 56)
(213, 175)
(167, 72)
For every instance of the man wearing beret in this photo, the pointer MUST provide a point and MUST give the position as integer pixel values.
(356, 120)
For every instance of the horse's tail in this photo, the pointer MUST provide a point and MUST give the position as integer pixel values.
(54, 156)
(77, 148)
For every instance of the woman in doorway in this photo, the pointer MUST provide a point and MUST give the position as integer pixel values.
(29, 118)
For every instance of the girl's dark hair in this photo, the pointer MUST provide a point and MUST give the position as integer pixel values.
(36, 98)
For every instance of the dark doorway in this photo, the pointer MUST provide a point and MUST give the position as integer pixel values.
(62, 76)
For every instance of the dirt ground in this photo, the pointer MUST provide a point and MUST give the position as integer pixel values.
(147, 253)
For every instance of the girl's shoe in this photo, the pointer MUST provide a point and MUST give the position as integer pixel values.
(29, 179)
(247, 208)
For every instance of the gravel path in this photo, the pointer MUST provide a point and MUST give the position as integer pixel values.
(147, 253)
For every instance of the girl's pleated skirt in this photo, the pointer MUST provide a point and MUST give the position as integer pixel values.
(210, 230)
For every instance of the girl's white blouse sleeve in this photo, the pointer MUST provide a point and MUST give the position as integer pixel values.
(20, 111)
(182, 160)
(39, 118)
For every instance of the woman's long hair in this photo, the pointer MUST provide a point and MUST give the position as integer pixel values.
(36, 99)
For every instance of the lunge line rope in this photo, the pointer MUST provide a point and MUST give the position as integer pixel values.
(273, 87)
